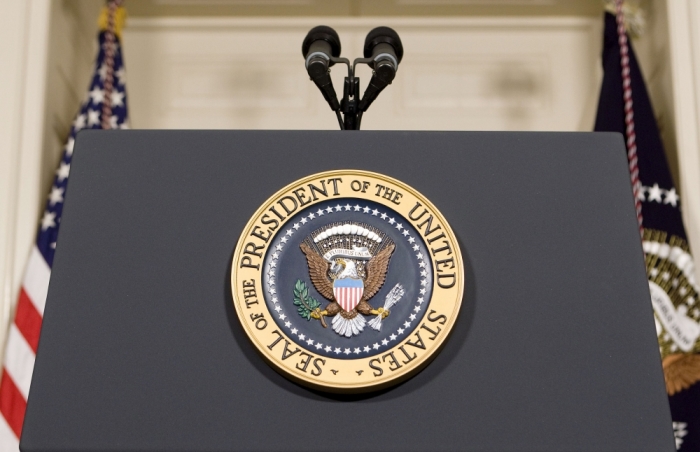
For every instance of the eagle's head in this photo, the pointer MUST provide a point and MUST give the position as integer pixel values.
(338, 265)
(349, 270)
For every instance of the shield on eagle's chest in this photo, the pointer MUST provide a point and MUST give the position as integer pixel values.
(348, 292)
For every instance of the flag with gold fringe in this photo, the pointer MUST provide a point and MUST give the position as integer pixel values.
(625, 107)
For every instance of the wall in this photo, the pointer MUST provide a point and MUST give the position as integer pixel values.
(490, 73)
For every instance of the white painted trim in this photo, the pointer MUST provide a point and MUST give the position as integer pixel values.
(684, 38)
(13, 54)
(25, 154)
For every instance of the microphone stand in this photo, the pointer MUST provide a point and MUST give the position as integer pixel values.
(352, 118)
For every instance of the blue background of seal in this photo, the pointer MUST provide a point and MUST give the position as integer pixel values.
(403, 269)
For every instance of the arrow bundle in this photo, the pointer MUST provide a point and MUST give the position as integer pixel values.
(391, 299)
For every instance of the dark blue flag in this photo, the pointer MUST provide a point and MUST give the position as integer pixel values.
(674, 289)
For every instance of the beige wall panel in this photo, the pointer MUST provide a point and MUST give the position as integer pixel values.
(219, 8)
(457, 74)
(652, 49)
(71, 56)
(480, 7)
(447, 8)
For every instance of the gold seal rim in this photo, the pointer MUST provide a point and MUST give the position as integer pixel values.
(364, 385)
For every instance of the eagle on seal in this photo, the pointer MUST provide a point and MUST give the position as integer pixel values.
(348, 287)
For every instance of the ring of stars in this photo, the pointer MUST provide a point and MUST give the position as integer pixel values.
(423, 264)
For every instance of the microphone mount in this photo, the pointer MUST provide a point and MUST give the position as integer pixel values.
(349, 105)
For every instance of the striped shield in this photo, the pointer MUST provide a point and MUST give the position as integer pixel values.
(348, 292)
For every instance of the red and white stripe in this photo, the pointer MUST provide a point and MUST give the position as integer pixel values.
(20, 350)
(629, 112)
(348, 297)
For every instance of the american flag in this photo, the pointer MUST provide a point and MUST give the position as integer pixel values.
(104, 107)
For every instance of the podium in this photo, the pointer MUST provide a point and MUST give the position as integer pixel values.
(554, 347)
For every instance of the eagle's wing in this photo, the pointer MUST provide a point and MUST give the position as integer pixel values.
(376, 272)
(681, 370)
(318, 271)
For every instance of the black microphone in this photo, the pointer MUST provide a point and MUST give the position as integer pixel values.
(383, 45)
(320, 44)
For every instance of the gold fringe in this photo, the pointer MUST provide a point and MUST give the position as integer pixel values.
(635, 16)
(119, 20)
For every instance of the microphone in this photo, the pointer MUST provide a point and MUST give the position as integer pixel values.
(320, 44)
(384, 46)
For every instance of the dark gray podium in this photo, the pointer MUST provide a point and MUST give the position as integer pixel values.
(554, 349)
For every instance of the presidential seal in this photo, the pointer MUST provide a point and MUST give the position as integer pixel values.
(347, 281)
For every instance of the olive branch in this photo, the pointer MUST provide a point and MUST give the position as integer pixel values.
(305, 304)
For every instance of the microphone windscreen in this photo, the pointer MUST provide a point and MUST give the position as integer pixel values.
(322, 33)
(383, 35)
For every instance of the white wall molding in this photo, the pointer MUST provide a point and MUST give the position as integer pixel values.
(462, 23)
(26, 32)
(13, 24)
